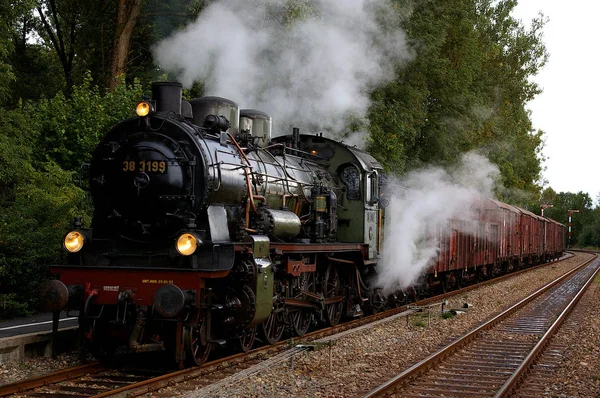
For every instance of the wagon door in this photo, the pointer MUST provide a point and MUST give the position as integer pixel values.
(444, 235)
(493, 244)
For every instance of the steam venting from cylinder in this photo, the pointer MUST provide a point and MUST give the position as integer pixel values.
(167, 96)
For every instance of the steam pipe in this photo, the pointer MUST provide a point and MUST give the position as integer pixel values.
(134, 345)
(251, 196)
(295, 137)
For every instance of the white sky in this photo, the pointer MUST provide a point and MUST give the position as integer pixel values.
(568, 109)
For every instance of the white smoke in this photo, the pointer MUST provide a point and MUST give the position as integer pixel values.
(428, 197)
(311, 73)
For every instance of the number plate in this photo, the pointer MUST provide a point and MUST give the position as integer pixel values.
(145, 166)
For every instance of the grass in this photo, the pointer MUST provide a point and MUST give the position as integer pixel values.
(447, 315)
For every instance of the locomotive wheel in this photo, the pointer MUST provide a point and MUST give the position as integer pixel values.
(377, 300)
(301, 318)
(333, 288)
(247, 338)
(459, 279)
(197, 348)
(272, 329)
(444, 283)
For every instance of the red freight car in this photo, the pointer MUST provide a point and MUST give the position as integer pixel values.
(491, 238)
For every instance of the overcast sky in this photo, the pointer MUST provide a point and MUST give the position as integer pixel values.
(569, 110)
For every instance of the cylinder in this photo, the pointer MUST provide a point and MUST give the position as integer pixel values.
(282, 224)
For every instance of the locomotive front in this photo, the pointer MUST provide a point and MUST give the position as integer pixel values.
(177, 257)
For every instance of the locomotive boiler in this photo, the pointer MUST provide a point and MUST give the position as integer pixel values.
(206, 231)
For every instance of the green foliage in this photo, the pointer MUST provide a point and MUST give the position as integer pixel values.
(35, 211)
(10, 11)
(466, 88)
(70, 128)
(38, 74)
(420, 324)
(11, 307)
(158, 20)
(42, 145)
(447, 315)
(585, 224)
(588, 234)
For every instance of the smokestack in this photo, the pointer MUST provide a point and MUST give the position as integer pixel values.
(167, 96)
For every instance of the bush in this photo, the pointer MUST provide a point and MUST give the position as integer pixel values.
(42, 145)
(70, 128)
(10, 307)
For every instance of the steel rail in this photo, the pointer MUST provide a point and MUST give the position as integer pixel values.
(319, 336)
(428, 362)
(516, 377)
(52, 378)
(171, 378)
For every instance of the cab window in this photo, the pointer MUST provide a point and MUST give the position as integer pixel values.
(351, 179)
(372, 188)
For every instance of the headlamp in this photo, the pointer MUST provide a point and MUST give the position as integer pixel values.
(144, 108)
(73, 241)
(187, 243)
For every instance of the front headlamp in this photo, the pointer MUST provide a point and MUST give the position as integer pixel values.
(73, 241)
(144, 108)
(187, 243)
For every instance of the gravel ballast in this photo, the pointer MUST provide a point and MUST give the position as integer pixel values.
(362, 361)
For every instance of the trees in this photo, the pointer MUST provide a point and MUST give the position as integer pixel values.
(42, 145)
(10, 11)
(466, 88)
(127, 15)
(36, 205)
(563, 202)
(99, 35)
(61, 20)
(70, 127)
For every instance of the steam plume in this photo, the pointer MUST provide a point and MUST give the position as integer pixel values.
(429, 196)
(311, 72)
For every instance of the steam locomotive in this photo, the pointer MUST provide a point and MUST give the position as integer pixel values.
(207, 231)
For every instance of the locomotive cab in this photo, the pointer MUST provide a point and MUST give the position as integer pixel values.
(359, 217)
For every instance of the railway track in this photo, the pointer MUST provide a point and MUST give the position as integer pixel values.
(493, 358)
(91, 379)
(545, 375)
(94, 380)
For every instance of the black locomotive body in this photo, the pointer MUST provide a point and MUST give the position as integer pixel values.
(206, 231)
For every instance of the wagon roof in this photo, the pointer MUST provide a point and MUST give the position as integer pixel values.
(504, 205)
(527, 212)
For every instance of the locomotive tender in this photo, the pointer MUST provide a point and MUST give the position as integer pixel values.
(207, 231)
